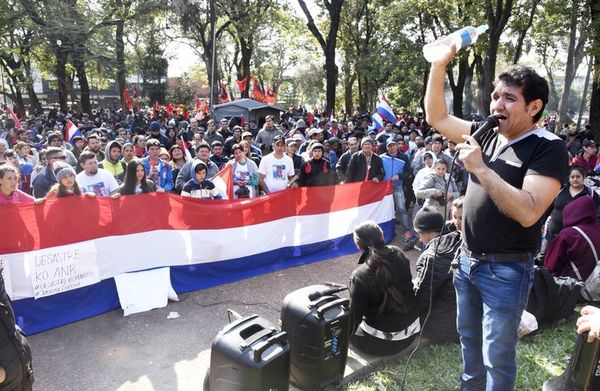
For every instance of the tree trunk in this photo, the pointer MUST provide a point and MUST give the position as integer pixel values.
(479, 71)
(331, 75)
(459, 87)
(334, 8)
(120, 59)
(595, 98)
(84, 85)
(468, 101)
(60, 72)
(246, 50)
(496, 21)
(487, 77)
(586, 86)
(34, 103)
(349, 79)
(563, 104)
(523, 33)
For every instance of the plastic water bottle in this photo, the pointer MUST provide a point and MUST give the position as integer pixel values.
(461, 38)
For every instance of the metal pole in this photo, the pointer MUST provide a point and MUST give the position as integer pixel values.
(213, 33)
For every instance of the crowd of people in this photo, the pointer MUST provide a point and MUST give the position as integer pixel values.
(181, 154)
(115, 154)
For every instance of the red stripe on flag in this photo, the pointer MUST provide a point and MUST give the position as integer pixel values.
(75, 219)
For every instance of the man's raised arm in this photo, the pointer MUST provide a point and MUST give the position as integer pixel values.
(435, 103)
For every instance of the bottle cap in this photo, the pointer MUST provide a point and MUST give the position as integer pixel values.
(482, 29)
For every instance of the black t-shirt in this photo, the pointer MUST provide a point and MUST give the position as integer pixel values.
(486, 229)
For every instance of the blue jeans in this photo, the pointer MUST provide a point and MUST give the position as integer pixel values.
(400, 202)
(490, 298)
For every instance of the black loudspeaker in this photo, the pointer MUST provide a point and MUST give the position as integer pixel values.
(583, 371)
(250, 354)
(318, 327)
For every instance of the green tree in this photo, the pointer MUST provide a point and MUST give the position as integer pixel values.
(328, 43)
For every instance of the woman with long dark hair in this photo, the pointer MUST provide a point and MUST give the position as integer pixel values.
(383, 308)
(65, 185)
(171, 135)
(135, 181)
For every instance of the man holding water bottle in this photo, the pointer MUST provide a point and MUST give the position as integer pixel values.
(515, 171)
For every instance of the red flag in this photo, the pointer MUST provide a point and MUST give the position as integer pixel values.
(271, 96)
(204, 106)
(14, 118)
(257, 92)
(198, 103)
(184, 145)
(243, 120)
(223, 181)
(223, 94)
(242, 85)
(170, 109)
(126, 99)
(309, 120)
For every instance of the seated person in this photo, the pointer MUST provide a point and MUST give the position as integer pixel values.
(569, 253)
(384, 318)
(437, 258)
(199, 186)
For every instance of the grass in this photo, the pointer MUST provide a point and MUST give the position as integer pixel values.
(437, 368)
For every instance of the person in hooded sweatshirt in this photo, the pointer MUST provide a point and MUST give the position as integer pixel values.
(112, 160)
(437, 258)
(569, 253)
(316, 171)
(199, 186)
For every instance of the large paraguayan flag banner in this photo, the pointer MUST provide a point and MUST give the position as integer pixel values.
(60, 258)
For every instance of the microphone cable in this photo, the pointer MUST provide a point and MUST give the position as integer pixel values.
(426, 268)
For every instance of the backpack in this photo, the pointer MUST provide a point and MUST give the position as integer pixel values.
(552, 298)
(591, 290)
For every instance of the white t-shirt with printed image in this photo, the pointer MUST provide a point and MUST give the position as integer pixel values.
(276, 171)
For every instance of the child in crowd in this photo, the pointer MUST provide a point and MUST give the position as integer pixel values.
(66, 184)
(199, 186)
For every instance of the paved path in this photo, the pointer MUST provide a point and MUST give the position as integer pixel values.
(150, 352)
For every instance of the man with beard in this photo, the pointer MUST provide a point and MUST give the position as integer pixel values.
(93, 179)
(95, 145)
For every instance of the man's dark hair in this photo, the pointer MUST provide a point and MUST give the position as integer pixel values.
(152, 143)
(53, 136)
(51, 151)
(533, 86)
(85, 156)
(203, 144)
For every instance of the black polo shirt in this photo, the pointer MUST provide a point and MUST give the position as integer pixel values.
(486, 229)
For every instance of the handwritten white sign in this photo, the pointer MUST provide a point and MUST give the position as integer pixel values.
(60, 269)
(6, 276)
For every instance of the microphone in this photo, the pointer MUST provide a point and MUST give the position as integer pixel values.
(325, 292)
(489, 123)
